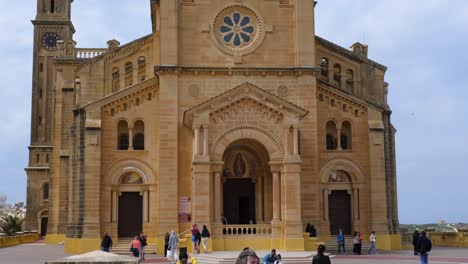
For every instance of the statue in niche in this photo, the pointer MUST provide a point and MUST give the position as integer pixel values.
(239, 166)
(339, 176)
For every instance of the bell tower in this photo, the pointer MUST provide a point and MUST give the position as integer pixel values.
(51, 25)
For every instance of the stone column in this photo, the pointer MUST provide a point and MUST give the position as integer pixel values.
(295, 140)
(325, 205)
(145, 206)
(276, 196)
(338, 137)
(197, 141)
(130, 138)
(114, 205)
(205, 140)
(217, 196)
(260, 199)
(292, 205)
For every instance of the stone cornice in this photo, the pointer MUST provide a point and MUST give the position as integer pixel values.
(257, 71)
(347, 53)
(122, 94)
(40, 22)
(240, 92)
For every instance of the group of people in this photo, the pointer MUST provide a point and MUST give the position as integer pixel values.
(357, 243)
(171, 243)
(248, 256)
(137, 246)
(422, 245)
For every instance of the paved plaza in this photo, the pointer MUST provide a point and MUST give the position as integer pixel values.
(40, 252)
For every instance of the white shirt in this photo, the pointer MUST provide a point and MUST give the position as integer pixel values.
(372, 238)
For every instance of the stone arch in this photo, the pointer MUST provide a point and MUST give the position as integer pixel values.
(141, 168)
(270, 143)
(341, 164)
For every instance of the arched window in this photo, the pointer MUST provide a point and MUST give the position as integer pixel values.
(122, 135)
(349, 80)
(141, 68)
(45, 191)
(141, 62)
(139, 135)
(128, 74)
(324, 68)
(331, 135)
(52, 6)
(345, 137)
(337, 74)
(115, 79)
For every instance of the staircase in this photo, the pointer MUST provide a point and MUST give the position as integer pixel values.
(123, 247)
(332, 245)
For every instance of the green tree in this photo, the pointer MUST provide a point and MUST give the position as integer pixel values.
(10, 224)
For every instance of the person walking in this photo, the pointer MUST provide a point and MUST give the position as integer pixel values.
(205, 234)
(423, 246)
(135, 247)
(372, 240)
(341, 242)
(279, 259)
(195, 233)
(270, 257)
(173, 246)
(321, 258)
(356, 243)
(166, 243)
(143, 242)
(415, 240)
(106, 243)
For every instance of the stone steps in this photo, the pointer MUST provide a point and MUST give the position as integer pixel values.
(123, 247)
(332, 245)
(229, 257)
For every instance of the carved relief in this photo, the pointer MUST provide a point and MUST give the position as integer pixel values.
(245, 109)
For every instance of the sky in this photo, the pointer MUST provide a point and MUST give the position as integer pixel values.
(422, 42)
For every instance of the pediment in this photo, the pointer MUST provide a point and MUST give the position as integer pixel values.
(243, 98)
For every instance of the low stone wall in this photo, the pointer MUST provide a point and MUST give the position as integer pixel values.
(452, 239)
(8, 241)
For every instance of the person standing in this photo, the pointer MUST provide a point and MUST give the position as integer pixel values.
(423, 246)
(195, 233)
(372, 240)
(143, 242)
(135, 247)
(415, 240)
(205, 234)
(341, 242)
(173, 246)
(106, 243)
(321, 258)
(166, 243)
(270, 257)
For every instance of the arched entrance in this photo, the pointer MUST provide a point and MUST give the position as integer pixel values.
(246, 183)
(44, 220)
(130, 204)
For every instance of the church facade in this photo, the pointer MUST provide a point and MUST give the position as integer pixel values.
(231, 114)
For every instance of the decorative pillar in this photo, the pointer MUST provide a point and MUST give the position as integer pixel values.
(197, 141)
(259, 199)
(295, 140)
(276, 196)
(205, 140)
(114, 206)
(338, 137)
(130, 138)
(145, 206)
(217, 196)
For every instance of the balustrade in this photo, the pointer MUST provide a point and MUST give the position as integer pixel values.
(84, 53)
(238, 230)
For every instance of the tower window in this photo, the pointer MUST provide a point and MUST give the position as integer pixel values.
(337, 74)
(122, 134)
(324, 68)
(345, 136)
(139, 137)
(45, 191)
(41, 67)
(52, 6)
(331, 135)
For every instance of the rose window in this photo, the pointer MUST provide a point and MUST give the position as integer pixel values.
(237, 30)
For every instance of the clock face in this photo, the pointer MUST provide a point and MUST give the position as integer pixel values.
(49, 40)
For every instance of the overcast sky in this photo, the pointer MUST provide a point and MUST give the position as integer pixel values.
(423, 42)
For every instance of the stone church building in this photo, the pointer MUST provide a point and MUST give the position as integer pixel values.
(231, 114)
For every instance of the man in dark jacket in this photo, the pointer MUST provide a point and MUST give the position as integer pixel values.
(106, 243)
(423, 245)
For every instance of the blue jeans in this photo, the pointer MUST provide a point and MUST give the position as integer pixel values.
(424, 258)
(372, 247)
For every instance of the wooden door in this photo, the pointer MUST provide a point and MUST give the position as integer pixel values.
(44, 221)
(130, 214)
(339, 209)
(239, 201)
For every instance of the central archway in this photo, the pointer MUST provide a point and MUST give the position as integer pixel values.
(247, 184)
